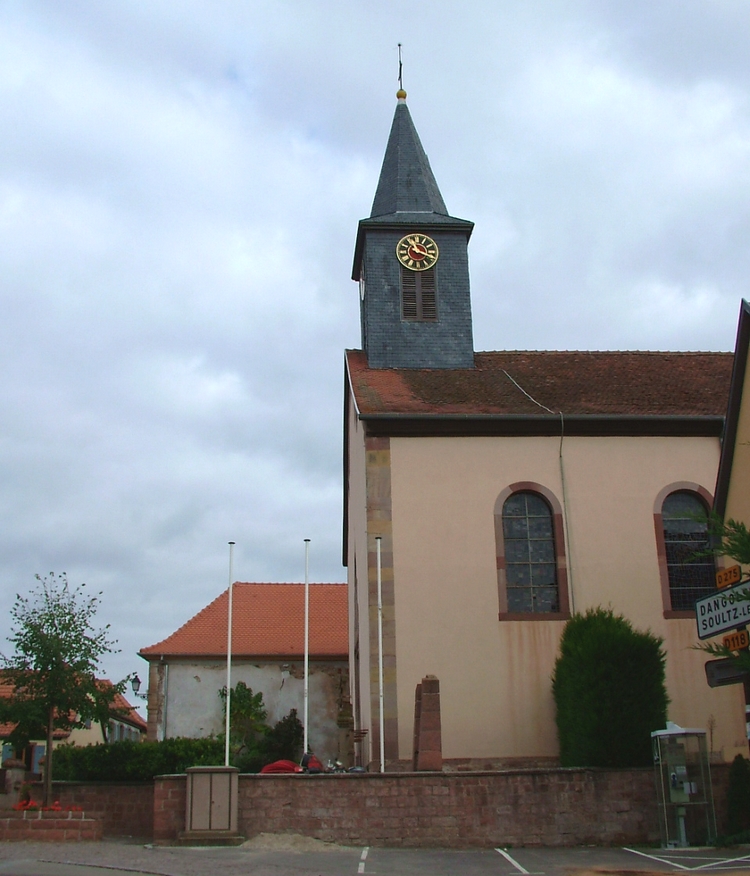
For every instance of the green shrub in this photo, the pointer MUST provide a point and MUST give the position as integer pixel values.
(738, 796)
(609, 691)
(284, 740)
(134, 761)
(141, 761)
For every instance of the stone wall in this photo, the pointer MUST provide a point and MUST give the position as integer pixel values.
(49, 827)
(547, 807)
(170, 798)
(562, 807)
(124, 809)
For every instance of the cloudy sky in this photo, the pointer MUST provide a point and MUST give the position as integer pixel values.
(180, 184)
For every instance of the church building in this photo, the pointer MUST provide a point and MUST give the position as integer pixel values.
(509, 490)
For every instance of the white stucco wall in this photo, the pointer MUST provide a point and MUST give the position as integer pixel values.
(192, 706)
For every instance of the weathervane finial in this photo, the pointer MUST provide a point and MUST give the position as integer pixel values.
(400, 94)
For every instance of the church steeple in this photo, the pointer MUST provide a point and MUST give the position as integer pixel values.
(407, 183)
(411, 262)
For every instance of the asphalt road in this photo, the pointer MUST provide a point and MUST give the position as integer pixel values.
(109, 858)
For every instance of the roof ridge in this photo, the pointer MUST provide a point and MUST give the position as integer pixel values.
(288, 584)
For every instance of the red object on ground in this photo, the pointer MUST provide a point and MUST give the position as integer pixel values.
(314, 765)
(282, 766)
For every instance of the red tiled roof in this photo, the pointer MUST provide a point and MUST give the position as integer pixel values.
(267, 620)
(131, 717)
(576, 383)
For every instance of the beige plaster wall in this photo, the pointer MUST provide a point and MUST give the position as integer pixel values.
(193, 708)
(495, 676)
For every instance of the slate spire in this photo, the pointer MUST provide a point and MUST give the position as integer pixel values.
(407, 183)
(412, 317)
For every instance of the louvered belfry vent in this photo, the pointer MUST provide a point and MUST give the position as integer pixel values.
(418, 297)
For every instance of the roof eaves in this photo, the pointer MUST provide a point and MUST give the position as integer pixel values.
(408, 424)
(729, 442)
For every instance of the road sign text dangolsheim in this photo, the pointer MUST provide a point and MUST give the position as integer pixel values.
(722, 611)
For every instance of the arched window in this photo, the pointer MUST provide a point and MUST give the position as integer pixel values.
(685, 522)
(530, 561)
(532, 576)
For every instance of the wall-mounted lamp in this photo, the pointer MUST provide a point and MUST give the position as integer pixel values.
(135, 683)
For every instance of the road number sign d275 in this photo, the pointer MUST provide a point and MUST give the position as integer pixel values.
(722, 611)
(736, 641)
(725, 577)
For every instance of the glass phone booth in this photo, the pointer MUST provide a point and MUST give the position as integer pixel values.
(683, 787)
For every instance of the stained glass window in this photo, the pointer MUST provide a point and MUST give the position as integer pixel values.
(685, 538)
(530, 561)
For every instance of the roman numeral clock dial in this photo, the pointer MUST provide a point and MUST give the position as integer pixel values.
(417, 252)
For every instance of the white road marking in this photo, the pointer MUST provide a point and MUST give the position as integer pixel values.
(362, 859)
(719, 861)
(656, 858)
(513, 861)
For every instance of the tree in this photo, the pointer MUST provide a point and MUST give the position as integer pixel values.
(54, 668)
(609, 690)
(253, 743)
(247, 724)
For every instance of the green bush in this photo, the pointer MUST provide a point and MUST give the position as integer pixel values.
(609, 691)
(738, 796)
(284, 740)
(129, 761)
(134, 761)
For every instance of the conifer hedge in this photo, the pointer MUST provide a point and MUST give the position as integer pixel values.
(609, 691)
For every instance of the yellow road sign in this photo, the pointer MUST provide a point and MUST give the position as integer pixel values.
(737, 640)
(725, 577)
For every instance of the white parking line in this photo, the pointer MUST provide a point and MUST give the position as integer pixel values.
(656, 858)
(716, 863)
(722, 861)
(513, 861)
(362, 859)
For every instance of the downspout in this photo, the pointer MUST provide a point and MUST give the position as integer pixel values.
(166, 699)
(568, 554)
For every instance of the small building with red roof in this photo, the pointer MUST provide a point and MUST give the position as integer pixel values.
(188, 668)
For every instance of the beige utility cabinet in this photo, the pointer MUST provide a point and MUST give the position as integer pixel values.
(211, 805)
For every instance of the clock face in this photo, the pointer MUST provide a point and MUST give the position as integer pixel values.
(418, 252)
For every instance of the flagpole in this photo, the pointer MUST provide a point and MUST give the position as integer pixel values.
(306, 709)
(229, 655)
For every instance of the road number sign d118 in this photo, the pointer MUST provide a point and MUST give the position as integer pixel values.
(737, 640)
(723, 611)
(725, 577)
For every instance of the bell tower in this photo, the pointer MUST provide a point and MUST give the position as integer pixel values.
(411, 262)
